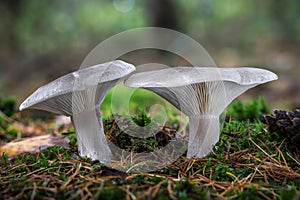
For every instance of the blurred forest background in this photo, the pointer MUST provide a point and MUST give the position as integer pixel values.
(42, 40)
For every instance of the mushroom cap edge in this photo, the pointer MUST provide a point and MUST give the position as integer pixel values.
(192, 75)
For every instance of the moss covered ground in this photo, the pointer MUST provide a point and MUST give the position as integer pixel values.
(248, 162)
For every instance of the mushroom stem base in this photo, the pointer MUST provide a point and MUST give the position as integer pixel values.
(90, 136)
(204, 133)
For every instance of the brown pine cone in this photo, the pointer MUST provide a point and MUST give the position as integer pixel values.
(287, 124)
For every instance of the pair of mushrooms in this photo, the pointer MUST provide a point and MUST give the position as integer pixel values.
(202, 93)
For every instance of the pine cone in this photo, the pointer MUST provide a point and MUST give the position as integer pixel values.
(287, 124)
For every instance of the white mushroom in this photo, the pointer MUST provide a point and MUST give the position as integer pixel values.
(202, 93)
(79, 95)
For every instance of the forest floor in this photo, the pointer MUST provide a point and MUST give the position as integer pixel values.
(248, 162)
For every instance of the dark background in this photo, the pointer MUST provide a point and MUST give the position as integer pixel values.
(41, 40)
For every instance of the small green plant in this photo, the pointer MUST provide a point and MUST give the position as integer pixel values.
(251, 110)
(4, 160)
(8, 105)
(141, 119)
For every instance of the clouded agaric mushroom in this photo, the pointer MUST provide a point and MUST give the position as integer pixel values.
(202, 94)
(79, 95)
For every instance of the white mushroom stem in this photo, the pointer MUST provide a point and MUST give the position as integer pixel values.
(203, 134)
(202, 103)
(88, 123)
(90, 136)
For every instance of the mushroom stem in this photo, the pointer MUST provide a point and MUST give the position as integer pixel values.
(203, 135)
(90, 136)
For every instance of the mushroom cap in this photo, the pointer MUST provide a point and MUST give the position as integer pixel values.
(200, 90)
(191, 75)
(60, 90)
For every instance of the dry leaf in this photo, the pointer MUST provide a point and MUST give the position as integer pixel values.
(33, 144)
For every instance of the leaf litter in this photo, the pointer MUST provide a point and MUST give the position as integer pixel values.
(247, 161)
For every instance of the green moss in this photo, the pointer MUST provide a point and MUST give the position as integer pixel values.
(8, 105)
(245, 152)
(251, 110)
(184, 190)
(111, 194)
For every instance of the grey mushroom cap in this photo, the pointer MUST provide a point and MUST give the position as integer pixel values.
(181, 76)
(200, 90)
(56, 96)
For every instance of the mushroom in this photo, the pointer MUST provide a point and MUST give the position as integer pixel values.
(79, 95)
(202, 93)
